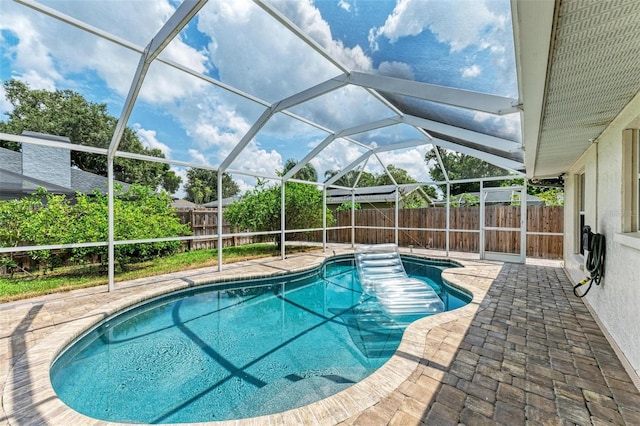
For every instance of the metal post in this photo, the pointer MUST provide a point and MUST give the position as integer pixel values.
(448, 219)
(523, 222)
(220, 241)
(353, 218)
(482, 207)
(111, 234)
(397, 221)
(282, 221)
(324, 219)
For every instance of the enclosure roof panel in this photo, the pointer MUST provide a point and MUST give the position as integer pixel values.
(213, 79)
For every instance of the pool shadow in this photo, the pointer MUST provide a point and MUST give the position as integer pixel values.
(19, 338)
(239, 371)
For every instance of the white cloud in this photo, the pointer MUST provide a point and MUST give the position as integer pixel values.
(411, 160)
(248, 49)
(197, 157)
(336, 156)
(345, 5)
(472, 71)
(213, 126)
(450, 25)
(396, 69)
(5, 105)
(216, 128)
(164, 84)
(47, 51)
(32, 61)
(509, 125)
(268, 67)
(281, 64)
(149, 140)
(304, 14)
(258, 160)
(182, 173)
(272, 68)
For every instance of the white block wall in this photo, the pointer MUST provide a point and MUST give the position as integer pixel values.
(617, 301)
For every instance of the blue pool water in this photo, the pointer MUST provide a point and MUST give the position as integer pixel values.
(242, 350)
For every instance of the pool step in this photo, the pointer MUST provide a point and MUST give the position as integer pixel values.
(372, 331)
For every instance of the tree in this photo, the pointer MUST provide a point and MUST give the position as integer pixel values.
(259, 209)
(347, 206)
(349, 178)
(66, 113)
(401, 176)
(202, 186)
(552, 196)
(307, 172)
(462, 166)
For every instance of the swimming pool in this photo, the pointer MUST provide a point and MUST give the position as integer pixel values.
(236, 350)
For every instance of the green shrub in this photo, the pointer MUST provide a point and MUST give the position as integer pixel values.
(48, 219)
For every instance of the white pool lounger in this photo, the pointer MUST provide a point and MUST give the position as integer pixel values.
(382, 275)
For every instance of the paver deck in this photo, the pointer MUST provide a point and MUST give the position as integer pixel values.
(525, 351)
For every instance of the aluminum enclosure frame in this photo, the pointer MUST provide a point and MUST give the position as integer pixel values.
(501, 152)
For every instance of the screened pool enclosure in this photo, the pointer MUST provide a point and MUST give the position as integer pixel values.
(352, 89)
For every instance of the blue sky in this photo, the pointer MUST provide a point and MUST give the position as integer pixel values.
(460, 43)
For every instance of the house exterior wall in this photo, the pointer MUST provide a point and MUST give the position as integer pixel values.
(616, 302)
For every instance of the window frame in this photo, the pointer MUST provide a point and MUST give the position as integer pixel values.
(637, 183)
(580, 179)
(631, 181)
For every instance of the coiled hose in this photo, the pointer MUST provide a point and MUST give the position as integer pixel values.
(594, 264)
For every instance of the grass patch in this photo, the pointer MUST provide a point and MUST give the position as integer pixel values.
(23, 286)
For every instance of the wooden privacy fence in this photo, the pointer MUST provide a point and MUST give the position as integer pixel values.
(205, 222)
(426, 228)
(418, 227)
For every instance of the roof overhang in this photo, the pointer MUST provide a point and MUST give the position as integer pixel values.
(577, 70)
(532, 31)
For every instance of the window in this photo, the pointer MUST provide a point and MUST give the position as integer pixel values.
(631, 180)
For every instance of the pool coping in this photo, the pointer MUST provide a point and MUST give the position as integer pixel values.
(28, 391)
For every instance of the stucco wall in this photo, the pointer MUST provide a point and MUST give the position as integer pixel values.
(617, 301)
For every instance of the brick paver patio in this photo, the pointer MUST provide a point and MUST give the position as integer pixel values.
(533, 355)
(525, 351)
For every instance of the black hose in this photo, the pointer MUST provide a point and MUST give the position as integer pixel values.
(594, 264)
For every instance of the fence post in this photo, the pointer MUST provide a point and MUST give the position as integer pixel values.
(192, 221)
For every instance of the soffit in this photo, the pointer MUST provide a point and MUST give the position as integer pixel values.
(593, 75)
